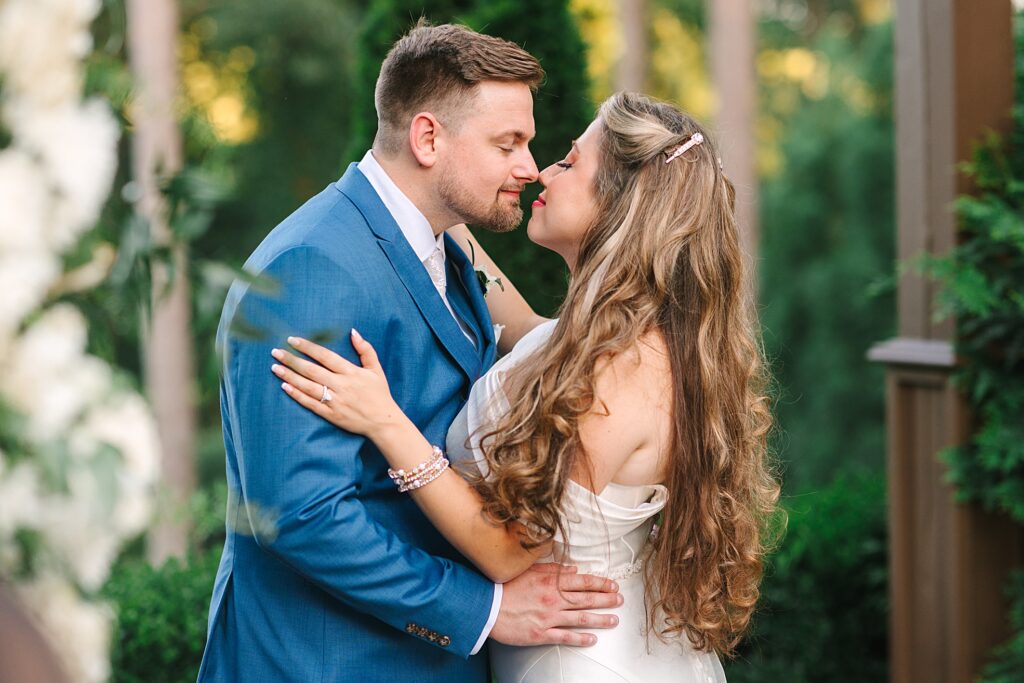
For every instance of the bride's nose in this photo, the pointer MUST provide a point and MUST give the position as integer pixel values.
(546, 175)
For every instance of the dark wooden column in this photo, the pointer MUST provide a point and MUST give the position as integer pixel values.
(948, 561)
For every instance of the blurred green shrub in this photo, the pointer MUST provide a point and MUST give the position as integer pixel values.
(1008, 659)
(824, 610)
(162, 612)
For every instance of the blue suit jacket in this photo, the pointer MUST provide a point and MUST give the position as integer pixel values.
(328, 573)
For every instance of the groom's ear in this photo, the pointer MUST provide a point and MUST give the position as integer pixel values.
(423, 138)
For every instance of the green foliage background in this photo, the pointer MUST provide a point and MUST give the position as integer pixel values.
(828, 234)
(824, 600)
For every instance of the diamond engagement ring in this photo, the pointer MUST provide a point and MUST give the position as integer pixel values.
(326, 396)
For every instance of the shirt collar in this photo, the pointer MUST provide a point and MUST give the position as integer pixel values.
(411, 221)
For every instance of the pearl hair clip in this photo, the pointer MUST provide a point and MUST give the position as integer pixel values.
(694, 140)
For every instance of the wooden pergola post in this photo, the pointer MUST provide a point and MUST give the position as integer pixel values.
(167, 338)
(948, 561)
(732, 39)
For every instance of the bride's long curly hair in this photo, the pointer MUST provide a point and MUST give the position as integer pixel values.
(662, 255)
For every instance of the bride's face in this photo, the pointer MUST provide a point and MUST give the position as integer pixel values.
(566, 207)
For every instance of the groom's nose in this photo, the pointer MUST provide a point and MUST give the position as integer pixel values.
(526, 171)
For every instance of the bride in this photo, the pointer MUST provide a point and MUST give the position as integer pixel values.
(626, 437)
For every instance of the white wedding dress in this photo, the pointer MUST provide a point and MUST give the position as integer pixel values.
(606, 537)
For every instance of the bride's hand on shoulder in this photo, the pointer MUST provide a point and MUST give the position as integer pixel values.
(353, 397)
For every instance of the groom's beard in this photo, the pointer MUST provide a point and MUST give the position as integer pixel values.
(502, 215)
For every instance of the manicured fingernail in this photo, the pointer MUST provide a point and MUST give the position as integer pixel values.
(286, 387)
(276, 369)
(355, 333)
(615, 620)
(294, 341)
(277, 353)
(614, 586)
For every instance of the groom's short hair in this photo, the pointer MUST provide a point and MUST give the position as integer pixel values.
(435, 69)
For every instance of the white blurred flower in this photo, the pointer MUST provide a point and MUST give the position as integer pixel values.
(20, 500)
(79, 530)
(41, 45)
(134, 508)
(60, 400)
(54, 178)
(80, 629)
(49, 378)
(23, 203)
(24, 280)
(52, 343)
(77, 147)
(125, 423)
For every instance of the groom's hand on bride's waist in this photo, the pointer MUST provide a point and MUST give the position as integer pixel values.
(548, 602)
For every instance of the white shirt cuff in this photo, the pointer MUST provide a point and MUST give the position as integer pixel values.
(495, 607)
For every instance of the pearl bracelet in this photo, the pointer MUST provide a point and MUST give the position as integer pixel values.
(422, 474)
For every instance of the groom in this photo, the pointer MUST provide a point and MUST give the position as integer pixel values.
(328, 572)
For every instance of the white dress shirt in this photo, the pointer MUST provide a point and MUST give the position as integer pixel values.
(411, 222)
(416, 228)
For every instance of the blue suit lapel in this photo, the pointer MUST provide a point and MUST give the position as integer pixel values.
(410, 271)
(460, 265)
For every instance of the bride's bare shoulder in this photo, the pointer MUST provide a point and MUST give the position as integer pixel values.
(640, 373)
(649, 356)
(627, 427)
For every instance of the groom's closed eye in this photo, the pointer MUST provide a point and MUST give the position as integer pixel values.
(512, 137)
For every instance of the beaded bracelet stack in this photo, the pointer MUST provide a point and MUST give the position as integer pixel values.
(422, 474)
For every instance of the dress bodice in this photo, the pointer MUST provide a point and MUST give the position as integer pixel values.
(606, 532)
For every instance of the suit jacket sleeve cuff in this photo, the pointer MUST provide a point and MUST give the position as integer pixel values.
(495, 606)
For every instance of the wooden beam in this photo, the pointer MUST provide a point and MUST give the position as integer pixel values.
(914, 352)
(954, 81)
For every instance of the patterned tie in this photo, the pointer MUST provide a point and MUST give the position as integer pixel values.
(435, 266)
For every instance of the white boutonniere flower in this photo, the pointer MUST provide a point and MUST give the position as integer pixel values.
(483, 277)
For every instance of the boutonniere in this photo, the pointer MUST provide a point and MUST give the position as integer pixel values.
(483, 278)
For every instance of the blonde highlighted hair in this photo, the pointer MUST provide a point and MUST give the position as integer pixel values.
(663, 255)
